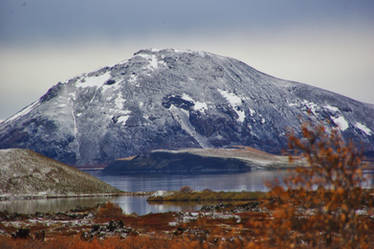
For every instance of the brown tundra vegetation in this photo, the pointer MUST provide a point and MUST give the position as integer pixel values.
(321, 205)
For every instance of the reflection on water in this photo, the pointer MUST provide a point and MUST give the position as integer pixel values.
(129, 205)
(49, 205)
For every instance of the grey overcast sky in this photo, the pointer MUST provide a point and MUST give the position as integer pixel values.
(329, 44)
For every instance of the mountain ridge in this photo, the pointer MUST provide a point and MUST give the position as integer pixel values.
(173, 99)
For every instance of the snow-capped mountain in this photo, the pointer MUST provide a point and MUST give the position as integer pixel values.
(170, 99)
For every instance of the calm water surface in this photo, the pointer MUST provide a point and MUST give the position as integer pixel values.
(250, 181)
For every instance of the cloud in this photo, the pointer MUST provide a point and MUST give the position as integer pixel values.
(66, 20)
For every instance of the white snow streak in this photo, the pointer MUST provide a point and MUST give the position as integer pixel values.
(230, 97)
(187, 97)
(123, 119)
(125, 116)
(200, 106)
(364, 128)
(119, 101)
(75, 124)
(241, 115)
(133, 79)
(332, 108)
(341, 123)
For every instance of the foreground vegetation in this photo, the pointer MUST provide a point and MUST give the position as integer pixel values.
(321, 206)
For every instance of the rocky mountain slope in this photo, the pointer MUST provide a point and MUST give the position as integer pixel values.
(24, 173)
(170, 99)
(192, 161)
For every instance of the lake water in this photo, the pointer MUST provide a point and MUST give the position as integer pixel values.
(249, 181)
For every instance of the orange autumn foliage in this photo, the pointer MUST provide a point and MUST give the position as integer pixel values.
(109, 210)
(321, 205)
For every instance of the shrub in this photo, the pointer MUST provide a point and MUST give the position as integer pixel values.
(186, 189)
(320, 205)
(109, 210)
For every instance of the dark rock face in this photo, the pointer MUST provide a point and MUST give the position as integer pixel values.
(168, 99)
(165, 162)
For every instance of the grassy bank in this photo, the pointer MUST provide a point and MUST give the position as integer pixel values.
(207, 195)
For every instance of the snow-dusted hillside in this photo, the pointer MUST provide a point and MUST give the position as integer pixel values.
(169, 99)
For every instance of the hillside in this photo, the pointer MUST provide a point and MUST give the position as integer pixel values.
(24, 173)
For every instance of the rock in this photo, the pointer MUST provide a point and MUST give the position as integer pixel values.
(22, 233)
(113, 227)
(40, 235)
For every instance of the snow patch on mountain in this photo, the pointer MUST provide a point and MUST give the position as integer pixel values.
(75, 123)
(123, 119)
(252, 112)
(341, 122)
(200, 106)
(119, 101)
(364, 128)
(235, 101)
(332, 108)
(197, 105)
(134, 80)
(187, 97)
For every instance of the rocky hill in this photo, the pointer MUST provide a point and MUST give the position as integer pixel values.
(170, 99)
(24, 174)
